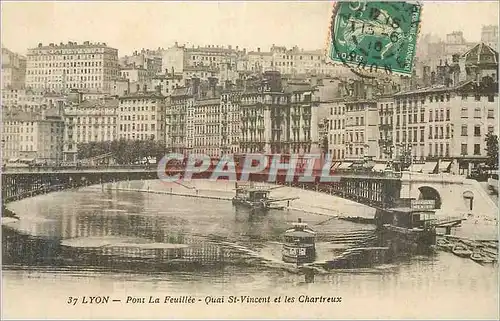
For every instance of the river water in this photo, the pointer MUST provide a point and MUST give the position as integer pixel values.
(107, 242)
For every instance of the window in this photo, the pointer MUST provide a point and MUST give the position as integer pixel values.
(430, 132)
(430, 115)
(463, 150)
(477, 149)
(430, 149)
(464, 130)
(477, 112)
(477, 131)
(447, 149)
(490, 113)
(447, 114)
(463, 112)
(422, 134)
(490, 129)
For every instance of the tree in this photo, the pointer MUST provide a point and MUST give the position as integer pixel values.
(492, 150)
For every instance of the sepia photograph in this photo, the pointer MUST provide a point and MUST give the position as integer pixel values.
(249, 160)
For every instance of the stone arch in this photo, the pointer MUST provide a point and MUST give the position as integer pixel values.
(430, 193)
(468, 199)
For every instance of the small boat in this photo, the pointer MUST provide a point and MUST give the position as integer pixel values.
(256, 198)
(480, 257)
(461, 250)
(445, 245)
(299, 244)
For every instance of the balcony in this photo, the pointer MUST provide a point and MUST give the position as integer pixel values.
(385, 126)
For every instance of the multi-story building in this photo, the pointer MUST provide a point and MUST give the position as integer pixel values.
(447, 125)
(180, 101)
(489, 35)
(134, 74)
(361, 129)
(290, 61)
(89, 121)
(65, 66)
(279, 118)
(23, 98)
(13, 70)
(141, 116)
(207, 127)
(167, 83)
(336, 128)
(32, 136)
(385, 127)
(150, 60)
(230, 122)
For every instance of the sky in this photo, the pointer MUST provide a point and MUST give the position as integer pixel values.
(130, 25)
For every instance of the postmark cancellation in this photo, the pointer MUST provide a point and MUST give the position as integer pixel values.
(375, 37)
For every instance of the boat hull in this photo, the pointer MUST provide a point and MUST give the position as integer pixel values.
(255, 206)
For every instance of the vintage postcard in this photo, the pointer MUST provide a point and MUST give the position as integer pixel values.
(249, 160)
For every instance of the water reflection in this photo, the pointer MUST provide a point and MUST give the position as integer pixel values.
(131, 231)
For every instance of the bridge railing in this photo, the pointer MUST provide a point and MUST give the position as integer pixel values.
(180, 169)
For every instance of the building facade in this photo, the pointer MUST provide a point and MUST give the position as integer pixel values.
(141, 116)
(33, 136)
(72, 65)
(89, 121)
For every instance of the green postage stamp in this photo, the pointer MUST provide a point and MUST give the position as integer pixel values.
(375, 36)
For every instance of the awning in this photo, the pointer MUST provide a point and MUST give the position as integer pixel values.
(443, 165)
(335, 165)
(26, 160)
(379, 167)
(13, 160)
(429, 167)
(345, 165)
(416, 168)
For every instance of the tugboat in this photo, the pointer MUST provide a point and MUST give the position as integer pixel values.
(256, 198)
(299, 244)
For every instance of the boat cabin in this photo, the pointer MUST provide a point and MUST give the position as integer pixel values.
(410, 218)
(253, 194)
(300, 233)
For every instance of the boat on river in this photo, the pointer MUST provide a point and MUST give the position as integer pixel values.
(461, 250)
(299, 244)
(257, 198)
(481, 257)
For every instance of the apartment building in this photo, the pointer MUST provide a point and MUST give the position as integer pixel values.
(337, 129)
(178, 103)
(32, 136)
(279, 117)
(89, 121)
(141, 116)
(65, 66)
